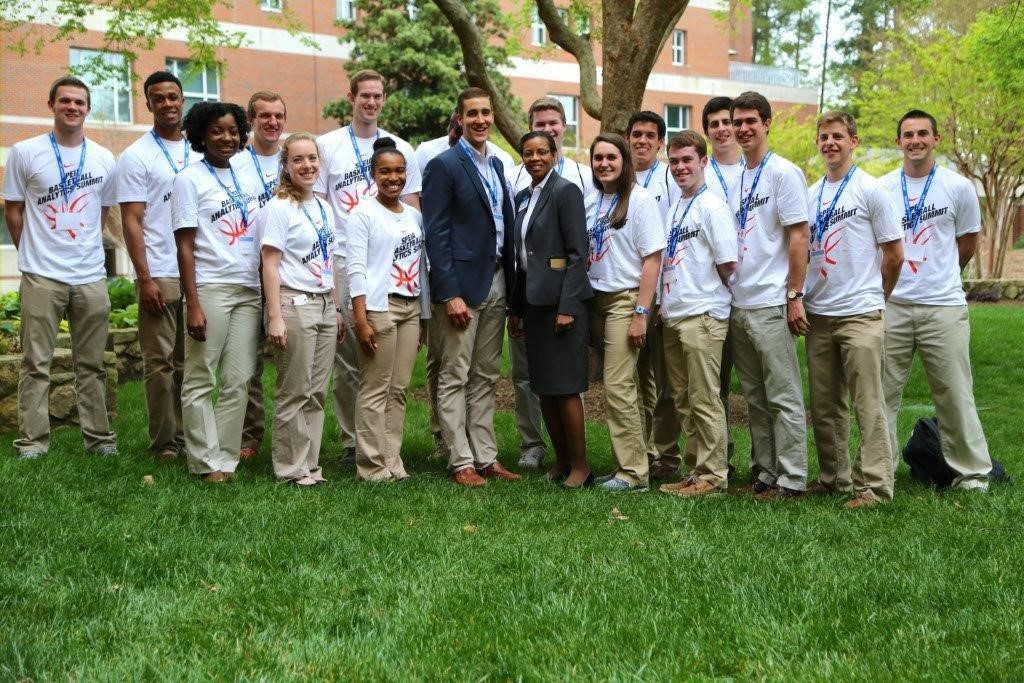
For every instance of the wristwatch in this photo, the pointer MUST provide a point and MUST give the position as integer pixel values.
(641, 310)
(793, 294)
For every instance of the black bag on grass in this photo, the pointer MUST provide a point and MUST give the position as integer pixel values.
(923, 453)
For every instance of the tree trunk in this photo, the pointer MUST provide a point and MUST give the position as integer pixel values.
(633, 32)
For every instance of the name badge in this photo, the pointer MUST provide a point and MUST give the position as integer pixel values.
(300, 300)
(247, 244)
(68, 221)
(914, 252)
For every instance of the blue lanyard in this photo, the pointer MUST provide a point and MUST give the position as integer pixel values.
(823, 218)
(267, 187)
(677, 226)
(650, 173)
(721, 178)
(66, 190)
(364, 167)
(741, 215)
(321, 234)
(491, 184)
(167, 155)
(561, 165)
(601, 221)
(913, 215)
(238, 197)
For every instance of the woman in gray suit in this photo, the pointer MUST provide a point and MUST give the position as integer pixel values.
(548, 302)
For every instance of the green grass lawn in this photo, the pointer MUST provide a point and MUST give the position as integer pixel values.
(105, 577)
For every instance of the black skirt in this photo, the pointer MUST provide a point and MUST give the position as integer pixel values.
(558, 360)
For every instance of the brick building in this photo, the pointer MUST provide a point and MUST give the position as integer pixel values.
(704, 57)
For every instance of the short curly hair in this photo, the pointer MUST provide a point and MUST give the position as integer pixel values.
(198, 119)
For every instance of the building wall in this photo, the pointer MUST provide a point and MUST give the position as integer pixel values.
(308, 79)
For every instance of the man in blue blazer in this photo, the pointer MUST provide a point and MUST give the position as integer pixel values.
(468, 221)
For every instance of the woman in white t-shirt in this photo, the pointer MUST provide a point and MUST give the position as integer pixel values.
(303, 314)
(212, 211)
(626, 235)
(387, 277)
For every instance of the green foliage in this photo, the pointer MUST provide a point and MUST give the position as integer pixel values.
(10, 305)
(122, 293)
(421, 62)
(1019, 244)
(784, 31)
(126, 317)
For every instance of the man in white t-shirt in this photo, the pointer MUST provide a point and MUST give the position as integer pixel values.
(695, 306)
(58, 189)
(145, 174)
(927, 311)
(767, 306)
(726, 166)
(856, 254)
(545, 114)
(645, 133)
(267, 115)
(345, 181)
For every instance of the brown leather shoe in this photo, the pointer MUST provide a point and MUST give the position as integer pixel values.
(467, 476)
(863, 499)
(213, 477)
(498, 471)
(692, 488)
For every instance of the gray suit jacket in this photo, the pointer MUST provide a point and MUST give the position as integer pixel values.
(556, 250)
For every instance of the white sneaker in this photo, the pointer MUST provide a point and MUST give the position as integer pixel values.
(532, 457)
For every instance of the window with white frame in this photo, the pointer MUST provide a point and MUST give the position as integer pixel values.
(570, 104)
(110, 83)
(197, 85)
(538, 30)
(677, 118)
(347, 10)
(678, 47)
(271, 5)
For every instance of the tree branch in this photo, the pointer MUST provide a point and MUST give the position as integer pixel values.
(508, 121)
(578, 47)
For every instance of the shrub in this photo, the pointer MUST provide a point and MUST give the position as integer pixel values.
(1019, 244)
(124, 318)
(10, 306)
(122, 293)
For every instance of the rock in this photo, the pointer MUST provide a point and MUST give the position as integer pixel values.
(1011, 291)
(9, 413)
(10, 366)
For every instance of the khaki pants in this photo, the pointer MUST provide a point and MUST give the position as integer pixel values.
(466, 383)
(254, 425)
(213, 435)
(303, 371)
(529, 421)
(162, 341)
(346, 363)
(942, 335)
(383, 381)
(844, 356)
(764, 352)
(610, 315)
(43, 304)
(661, 424)
(693, 353)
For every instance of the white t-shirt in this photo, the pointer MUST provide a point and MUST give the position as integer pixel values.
(659, 182)
(226, 246)
(62, 235)
(576, 173)
(778, 201)
(385, 252)
(726, 185)
(144, 174)
(844, 275)
(266, 168)
(690, 284)
(931, 262)
(297, 234)
(431, 148)
(346, 183)
(616, 256)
